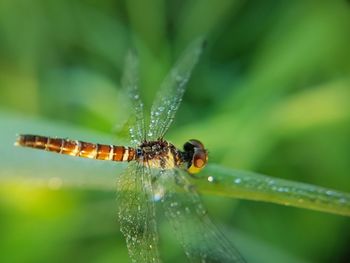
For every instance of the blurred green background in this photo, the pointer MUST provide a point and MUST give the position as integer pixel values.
(271, 94)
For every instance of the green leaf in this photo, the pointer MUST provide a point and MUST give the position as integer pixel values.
(253, 186)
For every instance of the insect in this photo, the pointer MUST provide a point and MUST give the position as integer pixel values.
(157, 172)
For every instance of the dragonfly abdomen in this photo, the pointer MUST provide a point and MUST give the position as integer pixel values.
(78, 148)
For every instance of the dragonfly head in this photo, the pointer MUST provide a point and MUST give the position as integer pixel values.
(197, 156)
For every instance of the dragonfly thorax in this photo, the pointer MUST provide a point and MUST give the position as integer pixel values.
(158, 154)
(164, 155)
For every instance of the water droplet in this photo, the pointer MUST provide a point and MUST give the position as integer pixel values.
(178, 78)
(329, 192)
(158, 196)
(136, 97)
(280, 189)
(271, 182)
(210, 179)
(237, 180)
(342, 200)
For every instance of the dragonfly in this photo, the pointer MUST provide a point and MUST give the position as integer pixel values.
(157, 171)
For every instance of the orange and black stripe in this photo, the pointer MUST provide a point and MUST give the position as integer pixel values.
(77, 148)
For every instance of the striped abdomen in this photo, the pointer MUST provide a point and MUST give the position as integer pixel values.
(78, 148)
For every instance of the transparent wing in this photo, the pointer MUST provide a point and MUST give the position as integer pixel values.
(130, 81)
(137, 214)
(200, 238)
(171, 91)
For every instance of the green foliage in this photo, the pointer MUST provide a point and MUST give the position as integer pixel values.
(269, 95)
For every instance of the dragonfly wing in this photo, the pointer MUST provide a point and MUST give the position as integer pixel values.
(200, 238)
(171, 91)
(137, 214)
(130, 82)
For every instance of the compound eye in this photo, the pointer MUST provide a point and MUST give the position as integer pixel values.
(192, 144)
(188, 147)
(196, 143)
(199, 160)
